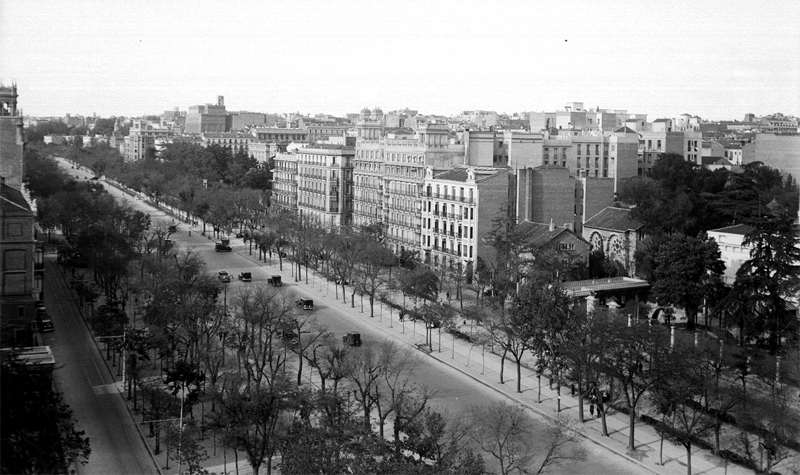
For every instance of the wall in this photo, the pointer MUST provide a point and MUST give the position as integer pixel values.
(777, 151)
(552, 196)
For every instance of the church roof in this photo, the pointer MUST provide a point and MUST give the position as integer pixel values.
(613, 219)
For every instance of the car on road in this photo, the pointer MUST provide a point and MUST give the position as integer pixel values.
(239, 235)
(352, 339)
(275, 281)
(44, 323)
(245, 277)
(305, 304)
(224, 246)
(172, 229)
(223, 276)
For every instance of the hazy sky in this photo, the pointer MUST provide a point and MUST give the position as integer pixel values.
(716, 59)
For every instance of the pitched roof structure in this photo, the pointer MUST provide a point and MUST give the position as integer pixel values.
(613, 219)
(741, 229)
(12, 200)
(538, 234)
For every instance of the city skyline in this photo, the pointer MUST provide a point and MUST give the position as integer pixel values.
(712, 59)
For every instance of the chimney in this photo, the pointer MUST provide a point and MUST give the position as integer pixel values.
(551, 224)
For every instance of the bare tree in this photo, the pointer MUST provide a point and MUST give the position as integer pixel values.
(504, 431)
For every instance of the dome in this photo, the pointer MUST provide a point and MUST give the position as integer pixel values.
(365, 112)
(377, 111)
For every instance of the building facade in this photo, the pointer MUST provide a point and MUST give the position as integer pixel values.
(234, 141)
(279, 134)
(613, 232)
(733, 252)
(284, 182)
(207, 118)
(325, 184)
(21, 252)
(458, 208)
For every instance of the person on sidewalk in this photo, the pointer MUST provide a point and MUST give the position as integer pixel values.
(591, 410)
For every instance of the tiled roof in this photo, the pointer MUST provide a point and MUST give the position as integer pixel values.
(661, 120)
(538, 234)
(613, 219)
(742, 229)
(13, 200)
(625, 130)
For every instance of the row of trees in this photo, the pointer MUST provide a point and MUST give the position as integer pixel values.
(678, 203)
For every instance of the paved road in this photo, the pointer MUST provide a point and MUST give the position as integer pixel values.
(89, 389)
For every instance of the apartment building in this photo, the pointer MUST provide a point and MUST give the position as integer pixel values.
(389, 170)
(280, 134)
(142, 136)
(576, 117)
(457, 211)
(284, 182)
(237, 142)
(324, 184)
(502, 148)
(662, 139)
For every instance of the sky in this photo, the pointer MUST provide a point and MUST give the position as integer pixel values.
(716, 59)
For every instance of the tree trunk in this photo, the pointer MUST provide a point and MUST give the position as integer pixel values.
(539, 396)
(519, 374)
(503, 365)
(632, 421)
(688, 446)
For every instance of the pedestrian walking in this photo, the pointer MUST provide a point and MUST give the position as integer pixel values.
(591, 410)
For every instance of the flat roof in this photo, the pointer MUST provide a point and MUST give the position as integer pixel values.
(34, 355)
(582, 288)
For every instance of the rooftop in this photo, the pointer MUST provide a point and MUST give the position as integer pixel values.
(613, 219)
(741, 229)
(582, 288)
(13, 199)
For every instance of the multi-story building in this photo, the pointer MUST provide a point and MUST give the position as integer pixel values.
(457, 211)
(320, 130)
(325, 184)
(279, 134)
(21, 253)
(261, 151)
(142, 135)
(368, 177)
(663, 140)
(242, 120)
(575, 117)
(284, 182)
(514, 149)
(389, 173)
(235, 141)
(781, 151)
(593, 154)
(207, 118)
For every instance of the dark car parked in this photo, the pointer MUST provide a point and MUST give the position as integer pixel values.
(305, 304)
(352, 339)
